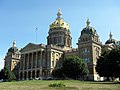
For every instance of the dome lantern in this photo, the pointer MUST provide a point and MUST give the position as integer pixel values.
(110, 35)
(88, 22)
(59, 14)
(14, 43)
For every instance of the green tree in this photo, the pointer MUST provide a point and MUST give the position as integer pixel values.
(73, 67)
(7, 75)
(57, 73)
(108, 64)
(1, 74)
(114, 62)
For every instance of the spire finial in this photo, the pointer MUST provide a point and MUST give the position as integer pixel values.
(88, 22)
(59, 14)
(110, 35)
(14, 43)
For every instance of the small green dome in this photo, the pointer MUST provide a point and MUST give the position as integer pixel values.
(110, 40)
(13, 49)
(88, 29)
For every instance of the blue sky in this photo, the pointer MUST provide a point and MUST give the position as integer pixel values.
(19, 18)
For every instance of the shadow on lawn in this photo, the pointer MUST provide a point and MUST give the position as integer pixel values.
(103, 82)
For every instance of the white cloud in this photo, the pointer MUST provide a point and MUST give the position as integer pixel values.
(1, 62)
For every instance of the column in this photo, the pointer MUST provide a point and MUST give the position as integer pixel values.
(20, 64)
(31, 75)
(35, 74)
(23, 61)
(41, 64)
(27, 75)
(23, 75)
(32, 61)
(41, 59)
(28, 61)
(48, 59)
(40, 75)
(36, 59)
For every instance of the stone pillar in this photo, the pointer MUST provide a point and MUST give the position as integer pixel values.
(48, 59)
(41, 59)
(23, 75)
(31, 75)
(36, 59)
(41, 66)
(28, 61)
(19, 65)
(23, 61)
(32, 61)
(40, 75)
(27, 75)
(35, 74)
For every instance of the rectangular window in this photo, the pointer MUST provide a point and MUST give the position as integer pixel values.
(52, 63)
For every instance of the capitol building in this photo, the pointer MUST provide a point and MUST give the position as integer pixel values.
(37, 61)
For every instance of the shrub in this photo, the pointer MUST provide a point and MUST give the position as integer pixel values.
(57, 85)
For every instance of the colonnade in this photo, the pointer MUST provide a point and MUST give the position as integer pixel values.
(33, 66)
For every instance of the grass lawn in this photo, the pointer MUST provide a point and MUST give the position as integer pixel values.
(71, 85)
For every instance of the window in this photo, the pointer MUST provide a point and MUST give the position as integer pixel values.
(52, 63)
(85, 50)
(52, 54)
(57, 54)
(56, 62)
(87, 60)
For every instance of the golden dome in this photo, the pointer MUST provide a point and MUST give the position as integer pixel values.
(59, 22)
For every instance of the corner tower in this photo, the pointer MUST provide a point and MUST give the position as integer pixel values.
(12, 59)
(59, 32)
(89, 47)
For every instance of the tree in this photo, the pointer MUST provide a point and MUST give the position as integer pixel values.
(2, 74)
(7, 75)
(57, 73)
(73, 67)
(114, 61)
(108, 64)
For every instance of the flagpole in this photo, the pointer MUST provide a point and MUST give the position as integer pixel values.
(36, 34)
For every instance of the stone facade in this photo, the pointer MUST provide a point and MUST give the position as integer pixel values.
(37, 61)
(89, 47)
(12, 59)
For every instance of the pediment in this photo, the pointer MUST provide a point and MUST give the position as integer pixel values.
(30, 46)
